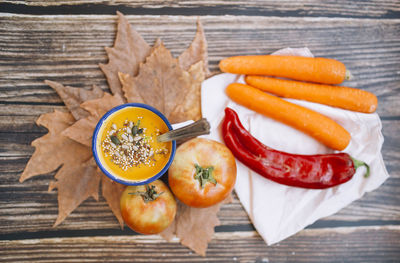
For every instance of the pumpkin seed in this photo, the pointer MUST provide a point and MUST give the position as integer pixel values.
(115, 140)
(134, 130)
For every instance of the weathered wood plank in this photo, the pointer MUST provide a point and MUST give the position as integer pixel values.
(364, 244)
(21, 118)
(68, 48)
(341, 8)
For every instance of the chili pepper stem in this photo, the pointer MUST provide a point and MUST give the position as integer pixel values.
(358, 163)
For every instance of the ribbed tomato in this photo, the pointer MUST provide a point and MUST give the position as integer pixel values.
(203, 172)
(148, 209)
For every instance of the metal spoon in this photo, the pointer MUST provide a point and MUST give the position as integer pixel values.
(195, 129)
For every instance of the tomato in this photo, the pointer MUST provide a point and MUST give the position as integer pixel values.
(148, 209)
(203, 172)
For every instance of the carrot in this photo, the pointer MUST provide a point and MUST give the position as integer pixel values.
(320, 70)
(336, 96)
(318, 126)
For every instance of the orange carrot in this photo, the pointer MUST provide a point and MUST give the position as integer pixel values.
(318, 126)
(320, 70)
(336, 96)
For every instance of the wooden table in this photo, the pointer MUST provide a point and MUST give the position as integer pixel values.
(64, 41)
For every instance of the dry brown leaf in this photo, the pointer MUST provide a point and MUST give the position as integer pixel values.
(228, 200)
(190, 228)
(195, 226)
(53, 149)
(98, 107)
(129, 50)
(82, 130)
(196, 52)
(190, 107)
(76, 178)
(73, 97)
(129, 88)
(112, 192)
(161, 82)
(127, 80)
(75, 183)
(169, 233)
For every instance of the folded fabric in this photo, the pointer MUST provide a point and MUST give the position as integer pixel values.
(278, 211)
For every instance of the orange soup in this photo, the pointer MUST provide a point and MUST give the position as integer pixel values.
(127, 144)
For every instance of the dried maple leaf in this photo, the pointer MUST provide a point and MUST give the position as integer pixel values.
(188, 60)
(196, 52)
(54, 149)
(73, 97)
(195, 60)
(195, 226)
(85, 180)
(169, 233)
(161, 82)
(129, 50)
(112, 192)
(129, 88)
(190, 107)
(82, 130)
(127, 80)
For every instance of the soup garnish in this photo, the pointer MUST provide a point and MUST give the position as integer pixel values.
(130, 145)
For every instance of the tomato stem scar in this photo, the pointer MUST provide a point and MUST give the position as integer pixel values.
(149, 195)
(204, 175)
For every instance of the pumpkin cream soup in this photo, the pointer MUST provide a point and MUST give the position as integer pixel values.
(128, 146)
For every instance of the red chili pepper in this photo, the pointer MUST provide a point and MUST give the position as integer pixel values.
(307, 171)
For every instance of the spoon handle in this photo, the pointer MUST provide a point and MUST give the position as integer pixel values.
(197, 128)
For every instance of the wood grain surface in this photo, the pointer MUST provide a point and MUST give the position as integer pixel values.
(285, 8)
(312, 245)
(64, 41)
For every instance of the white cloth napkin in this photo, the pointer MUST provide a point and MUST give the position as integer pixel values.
(278, 211)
